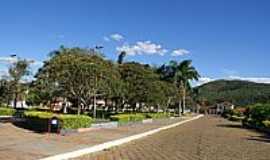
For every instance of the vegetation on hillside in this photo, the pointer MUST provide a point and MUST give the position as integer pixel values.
(240, 93)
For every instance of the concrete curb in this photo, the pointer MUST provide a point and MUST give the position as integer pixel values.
(113, 143)
(6, 116)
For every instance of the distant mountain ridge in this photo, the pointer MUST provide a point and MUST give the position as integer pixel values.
(239, 92)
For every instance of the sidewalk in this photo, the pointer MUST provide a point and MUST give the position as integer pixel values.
(210, 138)
(20, 144)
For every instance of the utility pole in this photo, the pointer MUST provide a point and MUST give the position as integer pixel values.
(97, 48)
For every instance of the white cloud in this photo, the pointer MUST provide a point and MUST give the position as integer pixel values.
(36, 63)
(107, 39)
(202, 81)
(117, 37)
(8, 60)
(143, 47)
(3, 73)
(179, 52)
(252, 79)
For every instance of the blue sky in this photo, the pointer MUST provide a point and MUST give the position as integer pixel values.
(224, 38)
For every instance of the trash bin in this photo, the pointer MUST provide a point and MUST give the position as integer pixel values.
(54, 125)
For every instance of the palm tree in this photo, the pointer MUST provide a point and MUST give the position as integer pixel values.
(184, 74)
(180, 74)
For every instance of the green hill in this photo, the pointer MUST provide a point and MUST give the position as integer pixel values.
(240, 93)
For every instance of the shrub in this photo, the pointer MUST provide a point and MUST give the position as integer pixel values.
(260, 112)
(7, 111)
(39, 120)
(157, 115)
(256, 115)
(125, 118)
(75, 121)
(266, 123)
(38, 115)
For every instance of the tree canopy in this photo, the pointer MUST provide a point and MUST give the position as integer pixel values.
(82, 75)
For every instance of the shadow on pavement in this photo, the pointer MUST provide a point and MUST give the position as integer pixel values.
(25, 125)
(230, 126)
(263, 138)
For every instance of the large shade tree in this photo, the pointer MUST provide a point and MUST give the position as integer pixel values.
(144, 87)
(79, 75)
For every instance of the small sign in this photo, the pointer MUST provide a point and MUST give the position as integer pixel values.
(54, 122)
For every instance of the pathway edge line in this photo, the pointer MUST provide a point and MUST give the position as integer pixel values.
(117, 142)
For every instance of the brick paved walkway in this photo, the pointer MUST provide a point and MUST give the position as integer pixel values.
(20, 144)
(208, 138)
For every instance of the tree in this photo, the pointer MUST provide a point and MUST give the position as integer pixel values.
(186, 73)
(5, 94)
(160, 94)
(78, 75)
(180, 74)
(43, 89)
(138, 80)
(17, 71)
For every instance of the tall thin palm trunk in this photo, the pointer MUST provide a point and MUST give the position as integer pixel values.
(184, 100)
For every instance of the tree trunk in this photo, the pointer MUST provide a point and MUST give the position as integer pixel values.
(179, 108)
(15, 100)
(79, 107)
(95, 106)
(65, 106)
(198, 108)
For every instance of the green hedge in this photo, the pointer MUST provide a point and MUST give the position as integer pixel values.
(39, 120)
(75, 121)
(157, 115)
(7, 111)
(125, 118)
